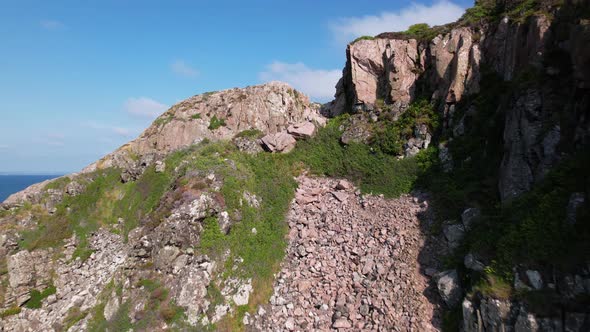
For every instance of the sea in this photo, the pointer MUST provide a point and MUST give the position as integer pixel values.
(10, 184)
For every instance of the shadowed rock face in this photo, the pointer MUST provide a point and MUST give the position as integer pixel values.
(270, 108)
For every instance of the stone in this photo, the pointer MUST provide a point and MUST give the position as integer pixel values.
(472, 263)
(447, 283)
(469, 216)
(525, 322)
(160, 166)
(248, 145)
(341, 323)
(576, 200)
(340, 196)
(445, 158)
(242, 296)
(279, 142)
(220, 311)
(343, 185)
(454, 234)
(74, 188)
(290, 324)
(224, 222)
(535, 279)
(111, 307)
(302, 130)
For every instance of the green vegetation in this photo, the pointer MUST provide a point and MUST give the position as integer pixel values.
(10, 312)
(163, 119)
(157, 307)
(36, 297)
(119, 322)
(74, 316)
(216, 123)
(362, 38)
(196, 116)
(375, 171)
(482, 10)
(250, 133)
(494, 10)
(104, 201)
(422, 31)
(493, 286)
(58, 183)
(389, 136)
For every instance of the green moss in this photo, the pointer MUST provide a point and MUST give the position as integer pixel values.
(37, 297)
(10, 312)
(216, 123)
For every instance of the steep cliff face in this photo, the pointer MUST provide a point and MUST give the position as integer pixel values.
(448, 68)
(533, 72)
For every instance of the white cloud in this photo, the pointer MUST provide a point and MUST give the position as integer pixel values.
(441, 12)
(181, 68)
(120, 131)
(319, 84)
(51, 24)
(144, 107)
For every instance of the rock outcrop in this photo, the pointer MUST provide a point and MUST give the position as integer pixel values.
(270, 108)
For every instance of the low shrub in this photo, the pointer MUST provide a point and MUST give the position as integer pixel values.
(215, 123)
(37, 297)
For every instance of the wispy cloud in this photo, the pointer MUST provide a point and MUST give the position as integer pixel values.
(181, 68)
(51, 24)
(441, 12)
(319, 84)
(144, 107)
(119, 131)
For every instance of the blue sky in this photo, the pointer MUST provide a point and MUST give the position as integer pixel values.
(80, 78)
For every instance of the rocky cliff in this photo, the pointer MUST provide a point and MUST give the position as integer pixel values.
(466, 207)
(518, 85)
(392, 70)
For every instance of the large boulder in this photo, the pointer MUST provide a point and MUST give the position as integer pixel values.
(302, 130)
(279, 142)
(449, 289)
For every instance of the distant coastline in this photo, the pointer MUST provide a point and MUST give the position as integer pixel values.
(11, 183)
